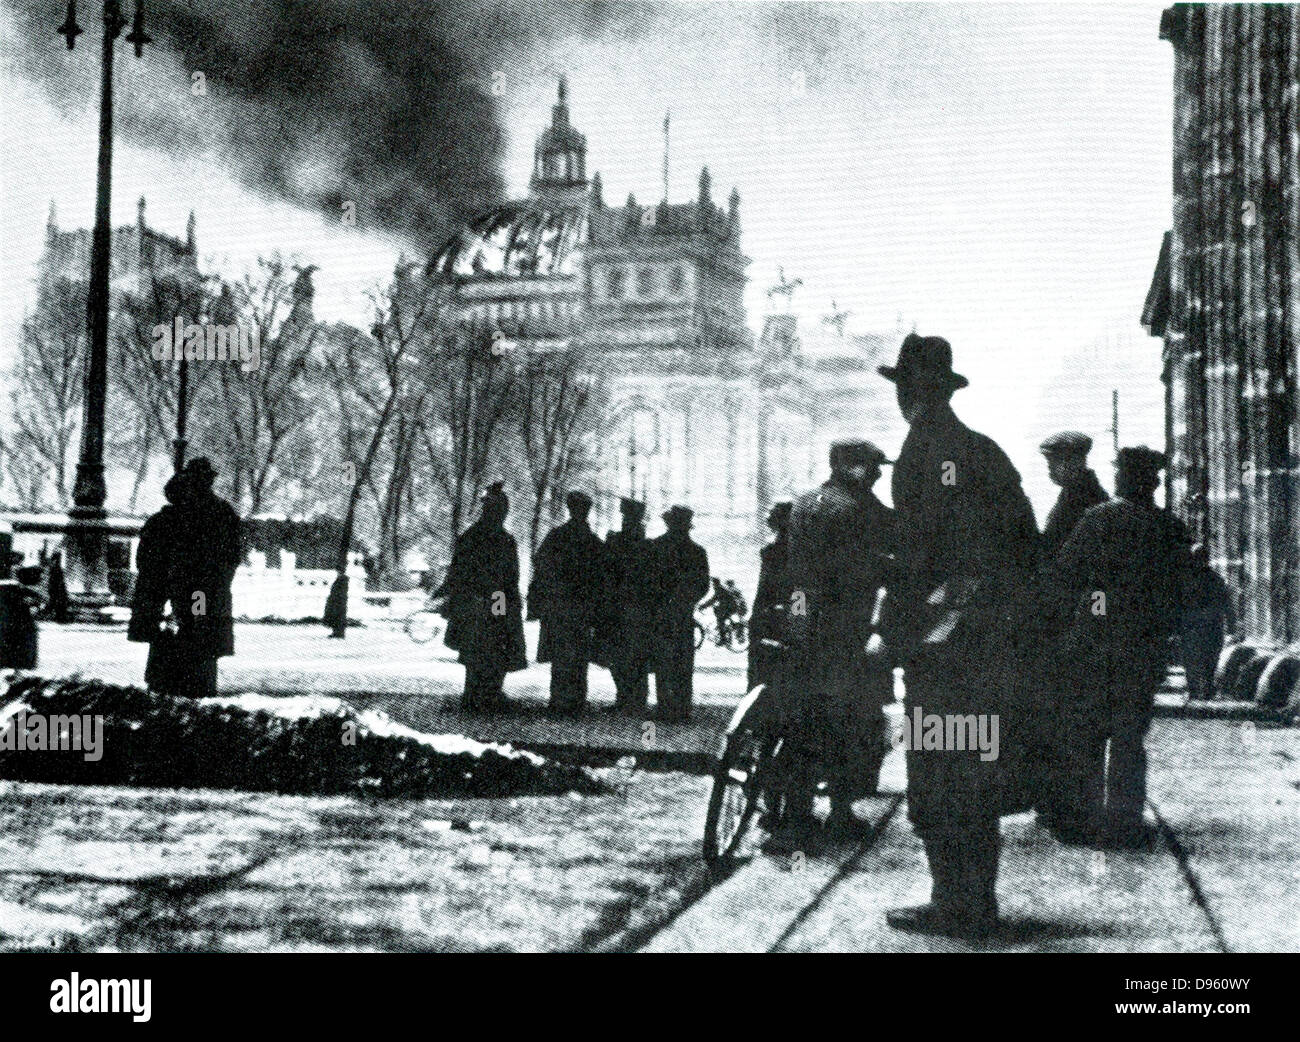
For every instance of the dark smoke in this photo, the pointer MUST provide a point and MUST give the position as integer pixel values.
(387, 102)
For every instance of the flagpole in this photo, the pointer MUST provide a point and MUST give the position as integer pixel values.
(667, 117)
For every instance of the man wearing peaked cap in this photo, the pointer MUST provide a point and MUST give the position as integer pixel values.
(857, 452)
(841, 541)
(1118, 587)
(954, 621)
(1142, 463)
(681, 579)
(566, 594)
(627, 631)
(1067, 465)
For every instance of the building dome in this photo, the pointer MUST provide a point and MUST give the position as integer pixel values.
(517, 241)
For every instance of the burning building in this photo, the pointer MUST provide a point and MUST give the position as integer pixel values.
(701, 413)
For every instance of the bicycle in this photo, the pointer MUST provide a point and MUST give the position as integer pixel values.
(746, 779)
(734, 636)
(423, 625)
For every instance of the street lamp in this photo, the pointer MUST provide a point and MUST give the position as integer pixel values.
(87, 534)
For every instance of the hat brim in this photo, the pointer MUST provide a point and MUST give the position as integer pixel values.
(954, 380)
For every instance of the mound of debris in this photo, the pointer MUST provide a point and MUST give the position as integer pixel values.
(88, 733)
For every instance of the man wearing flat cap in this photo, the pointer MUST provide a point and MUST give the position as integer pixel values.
(841, 543)
(681, 579)
(967, 553)
(1067, 465)
(628, 629)
(567, 594)
(1117, 586)
(485, 621)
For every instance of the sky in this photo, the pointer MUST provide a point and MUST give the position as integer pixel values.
(998, 174)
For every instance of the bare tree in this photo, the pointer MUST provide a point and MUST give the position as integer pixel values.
(373, 381)
(257, 414)
(46, 389)
(466, 419)
(559, 401)
(150, 387)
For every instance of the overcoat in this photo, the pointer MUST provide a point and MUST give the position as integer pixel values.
(568, 591)
(485, 622)
(957, 616)
(1121, 581)
(842, 542)
(1068, 510)
(630, 562)
(187, 555)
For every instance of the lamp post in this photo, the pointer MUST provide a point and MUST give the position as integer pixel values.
(87, 533)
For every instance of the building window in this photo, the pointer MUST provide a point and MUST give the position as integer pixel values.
(677, 281)
(645, 282)
(617, 283)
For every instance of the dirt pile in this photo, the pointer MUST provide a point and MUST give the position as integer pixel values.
(89, 733)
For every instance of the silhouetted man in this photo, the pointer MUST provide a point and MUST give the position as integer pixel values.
(772, 598)
(841, 545)
(1067, 465)
(1208, 616)
(187, 558)
(567, 594)
(631, 580)
(485, 622)
(968, 548)
(681, 568)
(1121, 578)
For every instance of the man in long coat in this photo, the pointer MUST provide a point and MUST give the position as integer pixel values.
(485, 621)
(967, 549)
(772, 598)
(629, 633)
(1121, 580)
(1067, 465)
(567, 594)
(187, 557)
(681, 569)
(841, 545)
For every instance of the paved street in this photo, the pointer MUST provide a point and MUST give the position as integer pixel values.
(418, 684)
(1223, 875)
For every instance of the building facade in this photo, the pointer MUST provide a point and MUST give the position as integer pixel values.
(701, 413)
(1226, 300)
(138, 254)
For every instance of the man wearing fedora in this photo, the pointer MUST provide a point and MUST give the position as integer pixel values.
(628, 630)
(567, 595)
(1067, 465)
(188, 554)
(681, 571)
(841, 553)
(1119, 585)
(967, 553)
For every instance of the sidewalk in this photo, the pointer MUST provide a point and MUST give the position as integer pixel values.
(1223, 876)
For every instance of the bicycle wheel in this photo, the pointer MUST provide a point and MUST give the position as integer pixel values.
(700, 634)
(737, 790)
(423, 626)
(738, 636)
